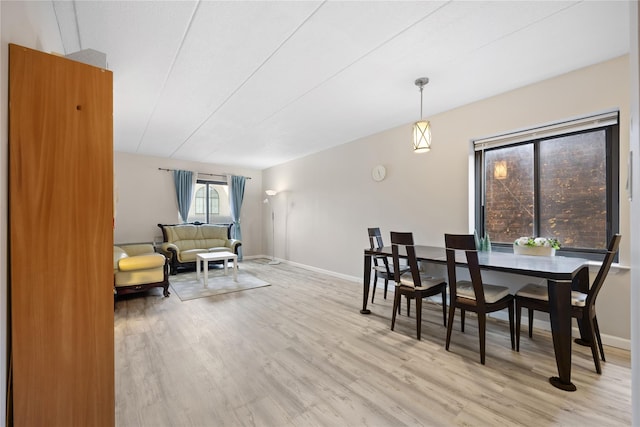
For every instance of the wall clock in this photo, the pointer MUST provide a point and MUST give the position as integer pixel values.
(378, 173)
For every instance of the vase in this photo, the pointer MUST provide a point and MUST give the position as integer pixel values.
(534, 250)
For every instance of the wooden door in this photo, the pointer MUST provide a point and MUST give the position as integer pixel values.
(61, 240)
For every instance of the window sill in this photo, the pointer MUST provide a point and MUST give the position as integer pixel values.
(615, 267)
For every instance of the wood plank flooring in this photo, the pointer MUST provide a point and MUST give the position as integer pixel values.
(299, 353)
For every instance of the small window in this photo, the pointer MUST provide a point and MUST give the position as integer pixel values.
(559, 181)
(210, 203)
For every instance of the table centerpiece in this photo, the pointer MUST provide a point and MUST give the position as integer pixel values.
(539, 246)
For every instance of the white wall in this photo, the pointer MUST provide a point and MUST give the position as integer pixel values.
(329, 199)
(147, 197)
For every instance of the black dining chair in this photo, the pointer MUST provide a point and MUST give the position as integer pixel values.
(473, 295)
(415, 285)
(381, 265)
(583, 305)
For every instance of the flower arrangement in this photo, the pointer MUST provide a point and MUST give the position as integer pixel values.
(538, 241)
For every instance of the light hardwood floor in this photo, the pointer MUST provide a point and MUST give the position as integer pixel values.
(299, 353)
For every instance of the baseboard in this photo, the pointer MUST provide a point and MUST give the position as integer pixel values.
(544, 325)
(311, 268)
(323, 271)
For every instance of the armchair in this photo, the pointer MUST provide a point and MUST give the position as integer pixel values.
(137, 268)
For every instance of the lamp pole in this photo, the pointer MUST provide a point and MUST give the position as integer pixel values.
(270, 195)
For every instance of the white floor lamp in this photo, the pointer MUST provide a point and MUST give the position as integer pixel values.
(269, 200)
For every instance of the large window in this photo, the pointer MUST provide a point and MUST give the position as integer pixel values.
(210, 203)
(557, 181)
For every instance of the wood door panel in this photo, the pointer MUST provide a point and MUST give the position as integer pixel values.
(61, 240)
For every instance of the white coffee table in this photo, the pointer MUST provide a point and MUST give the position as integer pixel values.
(204, 258)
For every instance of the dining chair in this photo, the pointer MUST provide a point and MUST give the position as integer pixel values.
(473, 295)
(381, 265)
(415, 285)
(583, 305)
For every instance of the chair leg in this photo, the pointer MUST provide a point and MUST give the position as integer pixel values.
(375, 282)
(418, 315)
(597, 333)
(461, 320)
(594, 349)
(482, 330)
(518, 320)
(513, 346)
(408, 306)
(396, 307)
(530, 322)
(386, 285)
(452, 313)
(444, 306)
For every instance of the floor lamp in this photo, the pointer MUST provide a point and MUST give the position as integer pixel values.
(269, 200)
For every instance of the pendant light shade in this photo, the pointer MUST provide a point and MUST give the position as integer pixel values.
(421, 128)
(421, 136)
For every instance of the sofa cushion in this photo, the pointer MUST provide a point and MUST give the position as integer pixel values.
(190, 254)
(141, 262)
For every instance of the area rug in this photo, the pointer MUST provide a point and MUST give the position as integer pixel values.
(187, 287)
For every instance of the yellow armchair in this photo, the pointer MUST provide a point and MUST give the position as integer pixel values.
(137, 268)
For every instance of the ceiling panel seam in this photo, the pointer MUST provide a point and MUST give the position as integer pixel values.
(360, 58)
(258, 68)
(65, 49)
(166, 77)
(521, 28)
(75, 17)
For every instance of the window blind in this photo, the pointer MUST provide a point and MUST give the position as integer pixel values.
(549, 130)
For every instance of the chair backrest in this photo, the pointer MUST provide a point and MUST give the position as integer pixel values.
(375, 241)
(402, 244)
(604, 270)
(375, 238)
(466, 243)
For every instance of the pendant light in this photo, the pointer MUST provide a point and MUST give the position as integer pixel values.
(421, 128)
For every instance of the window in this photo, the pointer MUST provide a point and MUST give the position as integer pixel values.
(210, 203)
(557, 181)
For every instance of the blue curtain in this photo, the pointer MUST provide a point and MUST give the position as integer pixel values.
(237, 194)
(184, 191)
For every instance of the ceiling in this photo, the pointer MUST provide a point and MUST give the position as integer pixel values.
(259, 83)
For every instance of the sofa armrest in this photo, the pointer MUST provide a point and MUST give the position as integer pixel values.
(118, 254)
(169, 248)
(141, 262)
(233, 244)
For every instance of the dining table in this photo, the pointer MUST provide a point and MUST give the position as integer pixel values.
(563, 274)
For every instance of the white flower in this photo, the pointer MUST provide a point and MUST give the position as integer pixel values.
(541, 241)
(522, 241)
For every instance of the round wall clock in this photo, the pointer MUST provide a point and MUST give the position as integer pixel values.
(378, 173)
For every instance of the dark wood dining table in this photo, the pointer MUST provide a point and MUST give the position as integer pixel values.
(563, 274)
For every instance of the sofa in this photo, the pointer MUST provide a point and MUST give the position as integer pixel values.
(137, 268)
(182, 242)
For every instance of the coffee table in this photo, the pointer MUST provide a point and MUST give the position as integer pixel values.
(204, 258)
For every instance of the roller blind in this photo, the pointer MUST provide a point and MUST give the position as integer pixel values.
(549, 130)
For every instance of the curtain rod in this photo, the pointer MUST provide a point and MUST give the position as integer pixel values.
(202, 173)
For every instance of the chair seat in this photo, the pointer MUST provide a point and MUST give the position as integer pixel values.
(492, 293)
(427, 282)
(383, 269)
(540, 292)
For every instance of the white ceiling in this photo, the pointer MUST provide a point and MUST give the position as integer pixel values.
(258, 83)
